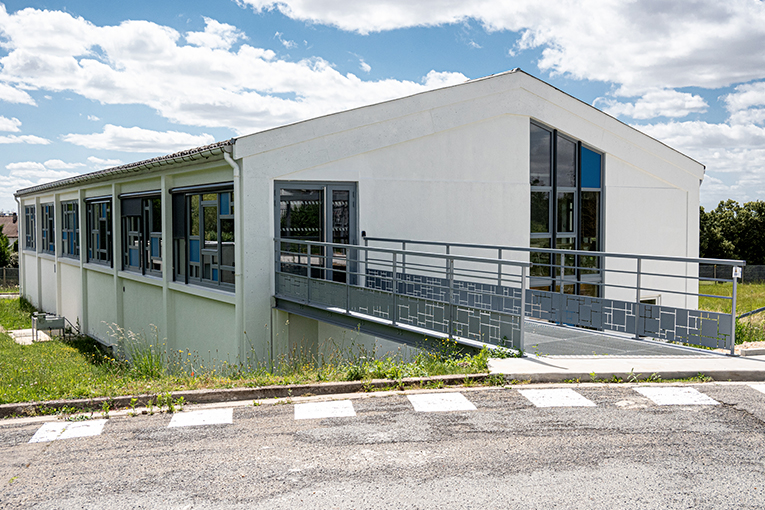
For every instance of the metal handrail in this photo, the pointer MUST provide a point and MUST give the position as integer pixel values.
(726, 262)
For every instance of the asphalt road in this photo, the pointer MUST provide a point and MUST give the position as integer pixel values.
(623, 451)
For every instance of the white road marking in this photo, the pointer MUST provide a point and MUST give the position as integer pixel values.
(759, 387)
(440, 402)
(316, 410)
(51, 431)
(676, 396)
(556, 397)
(203, 417)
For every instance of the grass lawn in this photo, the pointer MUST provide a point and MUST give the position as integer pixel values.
(749, 296)
(81, 368)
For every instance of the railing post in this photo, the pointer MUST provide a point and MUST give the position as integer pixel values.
(403, 259)
(366, 264)
(308, 280)
(395, 292)
(499, 270)
(347, 281)
(637, 297)
(735, 270)
(450, 277)
(522, 315)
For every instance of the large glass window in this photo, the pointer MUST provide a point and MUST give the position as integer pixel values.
(70, 229)
(48, 242)
(142, 235)
(322, 212)
(565, 179)
(100, 231)
(203, 235)
(29, 227)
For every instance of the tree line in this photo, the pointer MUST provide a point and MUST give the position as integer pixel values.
(733, 231)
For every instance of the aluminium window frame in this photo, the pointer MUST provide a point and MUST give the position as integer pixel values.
(138, 233)
(48, 228)
(30, 227)
(70, 229)
(94, 222)
(188, 271)
(554, 278)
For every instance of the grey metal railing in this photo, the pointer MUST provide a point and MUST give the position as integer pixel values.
(473, 300)
(644, 295)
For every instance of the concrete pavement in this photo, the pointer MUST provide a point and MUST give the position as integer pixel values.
(587, 368)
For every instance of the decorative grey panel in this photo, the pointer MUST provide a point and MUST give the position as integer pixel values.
(372, 302)
(295, 287)
(328, 293)
(696, 327)
(423, 313)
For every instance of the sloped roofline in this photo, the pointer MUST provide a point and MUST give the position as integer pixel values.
(216, 148)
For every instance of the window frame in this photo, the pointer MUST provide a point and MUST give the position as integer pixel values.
(30, 227)
(553, 236)
(70, 229)
(138, 234)
(93, 206)
(48, 228)
(192, 255)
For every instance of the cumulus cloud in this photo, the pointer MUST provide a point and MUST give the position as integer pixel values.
(11, 124)
(30, 173)
(104, 163)
(57, 164)
(135, 139)
(657, 103)
(215, 36)
(29, 139)
(639, 45)
(364, 66)
(139, 62)
(13, 95)
(285, 42)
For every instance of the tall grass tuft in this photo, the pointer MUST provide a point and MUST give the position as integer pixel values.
(147, 358)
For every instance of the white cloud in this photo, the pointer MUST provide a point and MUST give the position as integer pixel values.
(436, 79)
(57, 164)
(11, 124)
(474, 45)
(285, 42)
(135, 139)
(30, 139)
(104, 163)
(215, 36)
(694, 135)
(13, 95)
(667, 103)
(34, 172)
(93, 118)
(639, 44)
(364, 66)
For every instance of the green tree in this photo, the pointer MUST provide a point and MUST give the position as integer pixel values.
(5, 249)
(733, 231)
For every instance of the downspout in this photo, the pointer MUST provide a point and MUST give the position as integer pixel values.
(18, 246)
(238, 255)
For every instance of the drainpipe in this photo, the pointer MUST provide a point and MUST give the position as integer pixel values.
(18, 246)
(238, 255)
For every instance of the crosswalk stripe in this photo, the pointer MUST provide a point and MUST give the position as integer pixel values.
(317, 410)
(676, 396)
(52, 431)
(556, 397)
(759, 387)
(440, 402)
(203, 417)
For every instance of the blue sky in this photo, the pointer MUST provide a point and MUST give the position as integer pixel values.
(84, 88)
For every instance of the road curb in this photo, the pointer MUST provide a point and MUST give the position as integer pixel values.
(233, 394)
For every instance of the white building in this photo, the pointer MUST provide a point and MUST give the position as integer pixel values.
(504, 160)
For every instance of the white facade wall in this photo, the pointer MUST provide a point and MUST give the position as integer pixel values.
(446, 165)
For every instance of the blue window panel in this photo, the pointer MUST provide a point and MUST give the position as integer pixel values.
(154, 247)
(133, 257)
(215, 275)
(194, 250)
(224, 203)
(590, 168)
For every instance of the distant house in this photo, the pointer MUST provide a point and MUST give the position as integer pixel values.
(10, 227)
(192, 242)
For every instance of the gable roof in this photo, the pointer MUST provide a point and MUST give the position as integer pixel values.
(10, 228)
